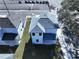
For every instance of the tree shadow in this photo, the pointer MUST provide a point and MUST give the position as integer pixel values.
(38, 51)
(7, 49)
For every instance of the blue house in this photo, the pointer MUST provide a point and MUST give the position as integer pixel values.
(43, 28)
(10, 30)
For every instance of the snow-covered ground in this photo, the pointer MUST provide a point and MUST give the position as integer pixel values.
(65, 47)
(6, 56)
(56, 3)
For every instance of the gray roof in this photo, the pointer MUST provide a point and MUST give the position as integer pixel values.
(33, 24)
(15, 19)
(6, 23)
(46, 23)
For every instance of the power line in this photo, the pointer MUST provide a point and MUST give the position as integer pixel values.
(6, 7)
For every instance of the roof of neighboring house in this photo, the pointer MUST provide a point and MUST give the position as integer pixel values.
(41, 27)
(45, 21)
(6, 23)
(11, 21)
(15, 20)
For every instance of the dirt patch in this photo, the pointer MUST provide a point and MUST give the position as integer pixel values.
(40, 52)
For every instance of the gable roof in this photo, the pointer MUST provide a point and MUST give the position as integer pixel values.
(16, 19)
(44, 21)
(47, 23)
(41, 27)
(5, 22)
(34, 22)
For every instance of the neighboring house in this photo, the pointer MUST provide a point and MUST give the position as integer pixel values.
(10, 30)
(43, 28)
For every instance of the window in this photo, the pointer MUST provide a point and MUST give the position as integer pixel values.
(26, 2)
(33, 2)
(49, 36)
(40, 2)
(21, 29)
(37, 2)
(9, 36)
(19, 2)
(37, 40)
(33, 34)
(40, 34)
(23, 25)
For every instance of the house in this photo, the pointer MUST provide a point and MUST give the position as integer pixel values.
(43, 28)
(11, 30)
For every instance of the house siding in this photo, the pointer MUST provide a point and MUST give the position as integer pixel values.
(20, 28)
(51, 30)
(36, 29)
(9, 30)
(37, 37)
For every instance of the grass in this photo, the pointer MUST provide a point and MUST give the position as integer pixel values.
(25, 38)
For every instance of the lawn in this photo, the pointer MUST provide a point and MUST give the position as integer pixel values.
(20, 50)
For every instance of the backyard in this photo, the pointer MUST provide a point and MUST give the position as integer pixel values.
(27, 50)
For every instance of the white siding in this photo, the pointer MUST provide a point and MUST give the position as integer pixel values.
(21, 29)
(9, 30)
(34, 38)
(51, 30)
(36, 29)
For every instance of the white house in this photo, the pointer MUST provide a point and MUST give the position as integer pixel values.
(43, 28)
(11, 30)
